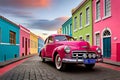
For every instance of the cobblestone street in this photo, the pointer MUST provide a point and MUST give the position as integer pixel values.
(34, 69)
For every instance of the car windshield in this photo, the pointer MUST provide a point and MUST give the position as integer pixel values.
(63, 38)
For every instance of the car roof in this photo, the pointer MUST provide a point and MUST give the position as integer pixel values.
(58, 35)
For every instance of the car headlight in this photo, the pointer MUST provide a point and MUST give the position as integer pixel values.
(67, 49)
(98, 50)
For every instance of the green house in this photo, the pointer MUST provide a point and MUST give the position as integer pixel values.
(82, 21)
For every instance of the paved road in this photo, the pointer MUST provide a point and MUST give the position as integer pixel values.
(34, 69)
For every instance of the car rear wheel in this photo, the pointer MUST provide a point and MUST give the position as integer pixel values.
(58, 63)
(42, 59)
(89, 66)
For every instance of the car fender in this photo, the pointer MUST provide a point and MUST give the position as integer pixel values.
(58, 50)
(42, 52)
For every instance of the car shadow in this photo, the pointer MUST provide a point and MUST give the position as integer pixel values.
(74, 68)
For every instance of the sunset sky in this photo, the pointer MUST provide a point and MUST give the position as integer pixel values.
(40, 16)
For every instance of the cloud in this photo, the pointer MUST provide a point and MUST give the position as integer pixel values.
(50, 25)
(16, 12)
(26, 3)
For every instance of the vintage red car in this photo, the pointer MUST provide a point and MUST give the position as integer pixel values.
(63, 49)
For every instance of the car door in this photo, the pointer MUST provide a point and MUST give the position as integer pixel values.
(50, 47)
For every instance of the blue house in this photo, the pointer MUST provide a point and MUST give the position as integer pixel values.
(9, 39)
(67, 27)
(40, 44)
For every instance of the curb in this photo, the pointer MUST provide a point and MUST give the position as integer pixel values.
(3, 64)
(112, 63)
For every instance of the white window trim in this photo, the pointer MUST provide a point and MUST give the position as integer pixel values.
(75, 29)
(86, 36)
(97, 20)
(86, 24)
(81, 20)
(104, 17)
(104, 37)
(95, 38)
(80, 36)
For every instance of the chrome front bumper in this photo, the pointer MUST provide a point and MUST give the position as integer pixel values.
(80, 61)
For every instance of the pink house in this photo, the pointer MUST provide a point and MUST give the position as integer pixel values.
(24, 41)
(106, 27)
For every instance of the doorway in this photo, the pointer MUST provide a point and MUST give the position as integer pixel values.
(106, 44)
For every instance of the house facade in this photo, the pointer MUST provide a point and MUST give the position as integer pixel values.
(9, 39)
(59, 31)
(40, 44)
(33, 43)
(82, 21)
(24, 41)
(67, 27)
(106, 27)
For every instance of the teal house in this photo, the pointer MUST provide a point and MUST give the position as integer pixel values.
(9, 39)
(67, 27)
(82, 21)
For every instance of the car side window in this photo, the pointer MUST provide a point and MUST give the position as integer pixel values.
(50, 39)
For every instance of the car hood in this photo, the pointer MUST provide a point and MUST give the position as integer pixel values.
(78, 45)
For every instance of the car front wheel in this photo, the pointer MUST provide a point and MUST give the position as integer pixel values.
(58, 63)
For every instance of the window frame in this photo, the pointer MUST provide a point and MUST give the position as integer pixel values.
(75, 23)
(12, 37)
(87, 16)
(80, 20)
(97, 39)
(98, 8)
(88, 38)
(104, 6)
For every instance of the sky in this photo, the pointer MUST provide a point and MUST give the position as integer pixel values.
(39, 16)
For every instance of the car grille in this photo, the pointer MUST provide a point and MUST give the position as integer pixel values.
(79, 54)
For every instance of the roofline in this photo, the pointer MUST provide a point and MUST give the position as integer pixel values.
(75, 9)
(66, 21)
(23, 27)
(9, 21)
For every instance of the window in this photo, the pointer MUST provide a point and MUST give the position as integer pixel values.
(106, 33)
(70, 28)
(87, 15)
(81, 38)
(12, 37)
(87, 38)
(107, 8)
(80, 20)
(98, 10)
(75, 23)
(0, 35)
(23, 42)
(98, 39)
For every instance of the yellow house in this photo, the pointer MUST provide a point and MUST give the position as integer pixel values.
(33, 43)
(59, 31)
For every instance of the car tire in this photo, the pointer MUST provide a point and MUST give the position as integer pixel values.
(89, 66)
(43, 59)
(59, 64)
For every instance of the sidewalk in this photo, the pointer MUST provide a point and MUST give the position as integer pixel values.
(108, 61)
(2, 64)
